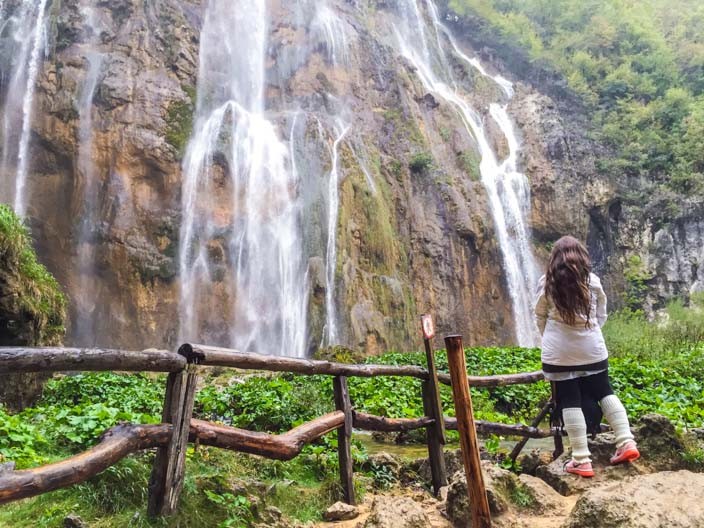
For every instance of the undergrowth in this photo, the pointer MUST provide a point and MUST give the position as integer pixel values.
(220, 486)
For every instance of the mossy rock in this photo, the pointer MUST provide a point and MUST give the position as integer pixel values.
(32, 306)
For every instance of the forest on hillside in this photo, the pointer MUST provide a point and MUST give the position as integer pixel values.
(638, 66)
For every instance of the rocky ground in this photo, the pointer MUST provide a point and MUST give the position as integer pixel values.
(653, 492)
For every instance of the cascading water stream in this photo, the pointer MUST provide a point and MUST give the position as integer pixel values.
(25, 27)
(331, 251)
(27, 109)
(261, 241)
(507, 189)
(85, 333)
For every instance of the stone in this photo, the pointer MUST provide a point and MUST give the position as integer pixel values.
(340, 512)
(567, 484)
(544, 498)
(386, 461)
(499, 483)
(660, 446)
(532, 460)
(666, 499)
(396, 512)
(74, 521)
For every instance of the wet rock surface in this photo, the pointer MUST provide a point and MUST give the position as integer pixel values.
(396, 512)
(660, 500)
(423, 241)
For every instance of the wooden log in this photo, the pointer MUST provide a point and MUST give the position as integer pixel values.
(225, 357)
(535, 423)
(344, 438)
(479, 504)
(114, 445)
(168, 471)
(435, 436)
(55, 359)
(279, 447)
(368, 422)
(125, 439)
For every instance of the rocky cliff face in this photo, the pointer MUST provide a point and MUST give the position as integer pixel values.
(421, 239)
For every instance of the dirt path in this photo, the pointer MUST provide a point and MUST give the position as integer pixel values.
(434, 509)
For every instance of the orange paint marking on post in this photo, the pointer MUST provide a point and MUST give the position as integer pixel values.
(478, 502)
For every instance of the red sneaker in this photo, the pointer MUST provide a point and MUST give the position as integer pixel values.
(628, 452)
(583, 469)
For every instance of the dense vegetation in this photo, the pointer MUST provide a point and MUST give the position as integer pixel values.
(655, 368)
(32, 306)
(639, 67)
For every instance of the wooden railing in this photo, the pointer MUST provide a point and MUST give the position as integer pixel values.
(171, 437)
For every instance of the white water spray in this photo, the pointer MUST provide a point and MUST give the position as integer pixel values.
(27, 110)
(85, 331)
(506, 188)
(331, 251)
(261, 241)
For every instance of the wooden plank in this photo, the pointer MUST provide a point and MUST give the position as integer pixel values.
(479, 504)
(56, 359)
(179, 444)
(435, 438)
(434, 400)
(224, 357)
(344, 438)
(159, 479)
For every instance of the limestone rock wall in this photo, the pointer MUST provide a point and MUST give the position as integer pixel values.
(423, 242)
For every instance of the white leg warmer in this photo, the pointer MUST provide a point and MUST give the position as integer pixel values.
(576, 428)
(616, 415)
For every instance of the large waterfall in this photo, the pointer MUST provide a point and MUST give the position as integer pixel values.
(507, 188)
(262, 237)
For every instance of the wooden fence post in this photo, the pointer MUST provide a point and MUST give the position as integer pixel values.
(432, 407)
(166, 481)
(344, 437)
(479, 505)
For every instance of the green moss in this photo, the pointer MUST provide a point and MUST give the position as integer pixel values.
(420, 162)
(40, 302)
(469, 161)
(637, 279)
(179, 120)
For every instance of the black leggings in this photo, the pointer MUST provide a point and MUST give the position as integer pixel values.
(569, 392)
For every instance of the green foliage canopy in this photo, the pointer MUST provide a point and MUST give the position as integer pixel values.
(639, 66)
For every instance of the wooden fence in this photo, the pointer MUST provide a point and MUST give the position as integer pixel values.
(172, 437)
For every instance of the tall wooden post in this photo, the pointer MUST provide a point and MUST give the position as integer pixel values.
(479, 505)
(432, 407)
(344, 438)
(166, 481)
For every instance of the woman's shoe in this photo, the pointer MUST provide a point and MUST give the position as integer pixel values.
(628, 452)
(583, 469)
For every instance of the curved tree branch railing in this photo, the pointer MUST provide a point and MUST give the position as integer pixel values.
(179, 428)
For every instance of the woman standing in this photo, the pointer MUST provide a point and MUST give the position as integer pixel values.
(570, 311)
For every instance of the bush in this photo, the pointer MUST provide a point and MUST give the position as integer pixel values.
(34, 297)
(420, 162)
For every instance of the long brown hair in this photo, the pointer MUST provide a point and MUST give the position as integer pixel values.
(567, 279)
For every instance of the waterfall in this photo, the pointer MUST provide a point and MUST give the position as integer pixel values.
(27, 107)
(25, 25)
(261, 242)
(88, 175)
(506, 187)
(331, 251)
